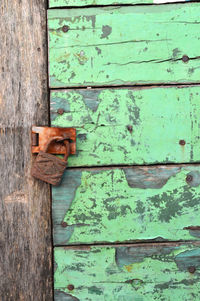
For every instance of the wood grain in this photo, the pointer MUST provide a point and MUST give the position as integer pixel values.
(125, 273)
(124, 45)
(60, 3)
(112, 205)
(131, 126)
(25, 224)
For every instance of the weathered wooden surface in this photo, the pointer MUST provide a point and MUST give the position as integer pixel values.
(124, 45)
(25, 225)
(60, 3)
(131, 126)
(126, 273)
(127, 204)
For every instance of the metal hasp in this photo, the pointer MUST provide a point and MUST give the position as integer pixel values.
(42, 134)
(48, 141)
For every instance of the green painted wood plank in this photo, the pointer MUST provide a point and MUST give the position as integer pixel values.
(126, 273)
(131, 126)
(60, 3)
(127, 204)
(124, 45)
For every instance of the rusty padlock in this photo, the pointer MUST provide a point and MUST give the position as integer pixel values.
(48, 167)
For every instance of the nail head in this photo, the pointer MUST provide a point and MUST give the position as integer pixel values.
(191, 270)
(70, 287)
(64, 224)
(182, 142)
(189, 178)
(65, 28)
(185, 58)
(130, 128)
(60, 111)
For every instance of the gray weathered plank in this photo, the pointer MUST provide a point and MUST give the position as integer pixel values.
(25, 225)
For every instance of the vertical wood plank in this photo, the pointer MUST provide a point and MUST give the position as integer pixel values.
(25, 224)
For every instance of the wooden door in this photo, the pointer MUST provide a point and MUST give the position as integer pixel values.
(126, 216)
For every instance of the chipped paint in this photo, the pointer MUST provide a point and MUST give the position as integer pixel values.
(159, 117)
(159, 272)
(137, 45)
(117, 46)
(151, 203)
(106, 31)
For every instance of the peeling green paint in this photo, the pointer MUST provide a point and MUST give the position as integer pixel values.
(156, 272)
(128, 45)
(127, 204)
(59, 3)
(159, 117)
(137, 45)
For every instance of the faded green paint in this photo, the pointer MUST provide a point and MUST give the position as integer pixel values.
(130, 45)
(127, 204)
(124, 45)
(126, 273)
(159, 117)
(59, 3)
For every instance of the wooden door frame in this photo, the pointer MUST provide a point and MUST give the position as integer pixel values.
(25, 204)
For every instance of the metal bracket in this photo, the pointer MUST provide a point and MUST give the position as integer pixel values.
(41, 135)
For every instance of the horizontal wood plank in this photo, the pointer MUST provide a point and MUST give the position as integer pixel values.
(124, 45)
(60, 3)
(127, 204)
(127, 273)
(131, 126)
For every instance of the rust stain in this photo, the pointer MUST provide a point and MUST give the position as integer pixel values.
(129, 267)
(182, 144)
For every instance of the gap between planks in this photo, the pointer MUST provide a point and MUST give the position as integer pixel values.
(148, 243)
(108, 167)
(138, 86)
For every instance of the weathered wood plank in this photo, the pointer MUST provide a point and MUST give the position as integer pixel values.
(131, 126)
(127, 204)
(25, 224)
(60, 3)
(125, 273)
(124, 45)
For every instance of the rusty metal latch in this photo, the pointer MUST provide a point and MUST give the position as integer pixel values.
(47, 141)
